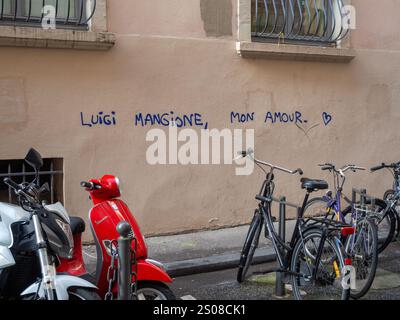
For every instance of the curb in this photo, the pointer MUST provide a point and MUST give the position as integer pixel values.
(216, 263)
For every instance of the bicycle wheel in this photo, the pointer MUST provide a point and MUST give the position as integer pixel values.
(362, 247)
(249, 246)
(388, 195)
(327, 284)
(386, 226)
(317, 208)
(386, 222)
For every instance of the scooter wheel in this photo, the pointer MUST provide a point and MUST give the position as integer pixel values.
(149, 290)
(82, 294)
(74, 294)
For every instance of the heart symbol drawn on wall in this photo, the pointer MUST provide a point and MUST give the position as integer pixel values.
(327, 118)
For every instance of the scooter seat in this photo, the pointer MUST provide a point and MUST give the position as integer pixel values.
(77, 225)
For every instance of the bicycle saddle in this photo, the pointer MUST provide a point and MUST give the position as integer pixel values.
(313, 185)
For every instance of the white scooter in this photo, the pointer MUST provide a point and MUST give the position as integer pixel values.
(33, 236)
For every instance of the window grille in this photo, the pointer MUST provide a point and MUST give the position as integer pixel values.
(308, 21)
(68, 13)
(19, 171)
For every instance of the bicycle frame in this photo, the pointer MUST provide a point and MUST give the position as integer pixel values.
(282, 250)
(285, 251)
(396, 187)
(334, 204)
(396, 183)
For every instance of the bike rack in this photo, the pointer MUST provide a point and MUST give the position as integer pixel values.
(124, 261)
(279, 284)
(362, 193)
(280, 275)
(283, 204)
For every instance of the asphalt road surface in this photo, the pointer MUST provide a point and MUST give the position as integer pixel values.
(222, 285)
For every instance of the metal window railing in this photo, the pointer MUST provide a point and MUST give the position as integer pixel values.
(18, 171)
(309, 21)
(68, 13)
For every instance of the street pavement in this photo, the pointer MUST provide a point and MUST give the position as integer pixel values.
(222, 285)
(204, 265)
(202, 251)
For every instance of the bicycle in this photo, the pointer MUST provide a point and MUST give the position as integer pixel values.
(392, 196)
(362, 246)
(313, 258)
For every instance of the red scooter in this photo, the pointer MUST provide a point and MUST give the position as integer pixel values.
(107, 212)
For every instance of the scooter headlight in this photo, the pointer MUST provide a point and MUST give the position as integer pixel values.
(66, 228)
(118, 182)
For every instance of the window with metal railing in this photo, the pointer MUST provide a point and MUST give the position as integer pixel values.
(19, 171)
(68, 14)
(300, 21)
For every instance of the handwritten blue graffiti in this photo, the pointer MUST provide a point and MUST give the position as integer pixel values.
(167, 118)
(327, 118)
(242, 117)
(99, 119)
(283, 117)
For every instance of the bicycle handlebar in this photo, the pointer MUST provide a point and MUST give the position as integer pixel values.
(249, 153)
(351, 167)
(383, 165)
(377, 168)
(327, 166)
(331, 167)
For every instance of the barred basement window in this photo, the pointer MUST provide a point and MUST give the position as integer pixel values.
(68, 13)
(308, 21)
(19, 171)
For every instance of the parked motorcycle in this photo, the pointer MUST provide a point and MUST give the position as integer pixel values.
(33, 237)
(107, 212)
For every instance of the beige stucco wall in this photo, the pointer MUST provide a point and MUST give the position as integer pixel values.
(169, 56)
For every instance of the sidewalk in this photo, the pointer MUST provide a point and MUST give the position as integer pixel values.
(203, 251)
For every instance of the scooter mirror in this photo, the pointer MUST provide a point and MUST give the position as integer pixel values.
(44, 188)
(34, 159)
